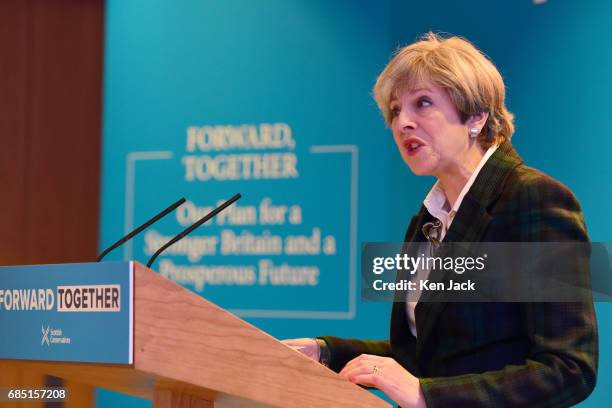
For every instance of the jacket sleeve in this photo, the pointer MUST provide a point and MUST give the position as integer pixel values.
(344, 350)
(562, 364)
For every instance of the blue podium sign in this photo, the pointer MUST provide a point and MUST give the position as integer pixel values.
(68, 312)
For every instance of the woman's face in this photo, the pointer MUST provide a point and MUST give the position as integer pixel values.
(428, 131)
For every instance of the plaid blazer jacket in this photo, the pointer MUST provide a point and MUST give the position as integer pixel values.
(497, 354)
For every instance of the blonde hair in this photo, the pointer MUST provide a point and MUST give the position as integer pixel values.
(454, 64)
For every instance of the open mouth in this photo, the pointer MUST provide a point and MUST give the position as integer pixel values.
(413, 147)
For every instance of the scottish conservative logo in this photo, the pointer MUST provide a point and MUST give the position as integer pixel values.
(53, 336)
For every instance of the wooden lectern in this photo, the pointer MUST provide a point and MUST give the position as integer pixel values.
(189, 352)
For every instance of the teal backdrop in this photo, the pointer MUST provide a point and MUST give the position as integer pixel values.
(186, 83)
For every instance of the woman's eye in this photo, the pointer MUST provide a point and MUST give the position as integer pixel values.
(423, 103)
(395, 111)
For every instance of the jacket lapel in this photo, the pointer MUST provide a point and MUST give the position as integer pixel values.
(413, 233)
(470, 225)
(411, 236)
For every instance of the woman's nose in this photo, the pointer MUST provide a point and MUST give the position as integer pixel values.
(405, 121)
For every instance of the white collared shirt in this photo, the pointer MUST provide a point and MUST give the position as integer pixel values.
(437, 205)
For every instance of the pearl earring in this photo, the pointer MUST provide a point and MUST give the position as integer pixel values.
(474, 132)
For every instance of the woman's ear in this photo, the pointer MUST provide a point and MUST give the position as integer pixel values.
(478, 120)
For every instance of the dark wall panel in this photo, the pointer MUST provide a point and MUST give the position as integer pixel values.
(50, 107)
(64, 130)
(13, 83)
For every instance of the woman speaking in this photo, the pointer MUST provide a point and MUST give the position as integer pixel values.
(445, 104)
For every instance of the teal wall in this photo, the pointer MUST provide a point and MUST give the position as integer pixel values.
(308, 64)
(311, 65)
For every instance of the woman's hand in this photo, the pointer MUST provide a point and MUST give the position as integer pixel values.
(306, 346)
(388, 376)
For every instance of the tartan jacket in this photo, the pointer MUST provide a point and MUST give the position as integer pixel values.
(497, 354)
